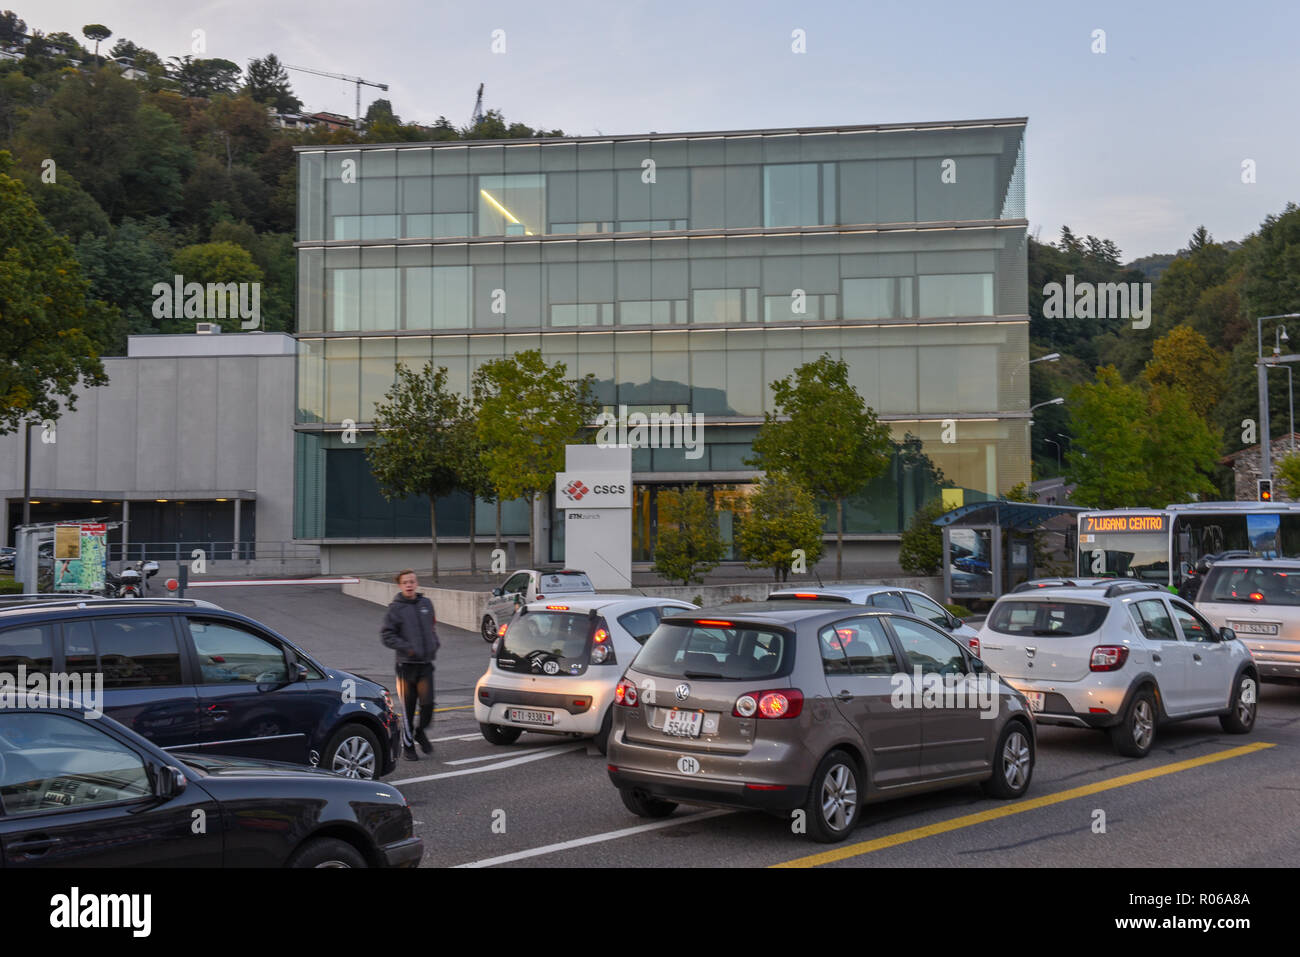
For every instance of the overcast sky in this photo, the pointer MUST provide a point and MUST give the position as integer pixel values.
(1138, 144)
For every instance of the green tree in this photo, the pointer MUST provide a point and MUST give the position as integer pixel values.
(1183, 448)
(920, 547)
(1287, 475)
(528, 411)
(12, 28)
(781, 518)
(823, 434)
(418, 447)
(97, 32)
(52, 331)
(124, 266)
(267, 82)
(204, 77)
(1184, 360)
(215, 263)
(687, 543)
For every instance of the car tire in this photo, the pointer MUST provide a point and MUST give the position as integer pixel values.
(498, 734)
(606, 726)
(1013, 763)
(1240, 718)
(488, 628)
(353, 752)
(834, 799)
(1134, 736)
(327, 852)
(643, 805)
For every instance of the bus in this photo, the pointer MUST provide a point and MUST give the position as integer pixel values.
(1162, 544)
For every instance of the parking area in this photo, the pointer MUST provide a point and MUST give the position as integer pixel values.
(1201, 798)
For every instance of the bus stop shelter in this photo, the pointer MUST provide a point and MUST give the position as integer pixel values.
(974, 563)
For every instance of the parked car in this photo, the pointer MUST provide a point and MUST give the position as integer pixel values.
(556, 665)
(7, 556)
(88, 792)
(190, 676)
(529, 585)
(1035, 583)
(784, 707)
(1259, 599)
(1122, 658)
(887, 596)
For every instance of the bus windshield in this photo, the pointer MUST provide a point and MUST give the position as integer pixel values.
(1126, 555)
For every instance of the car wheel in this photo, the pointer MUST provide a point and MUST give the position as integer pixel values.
(834, 800)
(1134, 736)
(643, 805)
(353, 752)
(488, 628)
(606, 726)
(1240, 718)
(327, 852)
(496, 734)
(1013, 762)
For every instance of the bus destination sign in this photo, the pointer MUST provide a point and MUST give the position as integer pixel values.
(1093, 524)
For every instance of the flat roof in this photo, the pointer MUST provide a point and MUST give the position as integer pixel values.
(1010, 121)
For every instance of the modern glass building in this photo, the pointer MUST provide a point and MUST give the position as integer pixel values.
(686, 271)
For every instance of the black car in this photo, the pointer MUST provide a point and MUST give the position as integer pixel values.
(190, 676)
(78, 790)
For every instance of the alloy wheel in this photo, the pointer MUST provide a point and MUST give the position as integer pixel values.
(1144, 724)
(1246, 698)
(839, 797)
(354, 759)
(1015, 760)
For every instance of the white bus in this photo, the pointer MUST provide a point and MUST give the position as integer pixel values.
(1161, 544)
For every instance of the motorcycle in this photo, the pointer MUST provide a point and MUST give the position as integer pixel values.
(132, 582)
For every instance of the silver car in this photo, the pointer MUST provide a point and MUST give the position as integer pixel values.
(528, 585)
(909, 600)
(1259, 599)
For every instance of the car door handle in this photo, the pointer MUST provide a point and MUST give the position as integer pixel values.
(1155, 658)
(1196, 655)
(844, 696)
(35, 846)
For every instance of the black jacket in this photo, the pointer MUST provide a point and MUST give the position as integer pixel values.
(411, 629)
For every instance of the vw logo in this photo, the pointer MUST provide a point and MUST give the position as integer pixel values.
(683, 691)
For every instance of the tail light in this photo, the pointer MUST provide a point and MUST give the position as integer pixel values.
(501, 631)
(602, 649)
(781, 703)
(626, 694)
(1108, 658)
(974, 646)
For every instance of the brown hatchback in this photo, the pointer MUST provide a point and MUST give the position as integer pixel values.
(787, 707)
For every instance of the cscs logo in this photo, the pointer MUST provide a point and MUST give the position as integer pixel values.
(575, 490)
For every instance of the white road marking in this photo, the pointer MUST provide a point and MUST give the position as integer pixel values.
(593, 839)
(522, 759)
(498, 756)
(456, 737)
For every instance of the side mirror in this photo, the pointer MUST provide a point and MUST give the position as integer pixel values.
(169, 781)
(496, 592)
(151, 569)
(1227, 634)
(977, 666)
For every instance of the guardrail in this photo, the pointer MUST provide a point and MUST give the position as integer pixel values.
(213, 551)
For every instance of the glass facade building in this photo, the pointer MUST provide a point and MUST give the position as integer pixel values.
(687, 272)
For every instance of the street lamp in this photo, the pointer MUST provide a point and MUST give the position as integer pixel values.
(1058, 453)
(1050, 357)
(1057, 401)
(1265, 445)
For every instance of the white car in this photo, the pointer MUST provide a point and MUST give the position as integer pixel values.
(1122, 657)
(556, 665)
(530, 584)
(887, 596)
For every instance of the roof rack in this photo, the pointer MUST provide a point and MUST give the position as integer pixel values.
(1120, 588)
(1035, 584)
(33, 598)
(85, 601)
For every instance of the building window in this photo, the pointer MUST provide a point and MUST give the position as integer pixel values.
(438, 225)
(889, 297)
(512, 205)
(799, 194)
(960, 295)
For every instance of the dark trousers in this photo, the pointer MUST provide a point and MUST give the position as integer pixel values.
(415, 686)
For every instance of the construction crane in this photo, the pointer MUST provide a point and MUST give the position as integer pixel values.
(477, 117)
(341, 76)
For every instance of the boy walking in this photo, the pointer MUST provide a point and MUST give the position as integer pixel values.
(411, 630)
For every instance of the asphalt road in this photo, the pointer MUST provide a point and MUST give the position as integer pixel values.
(1201, 798)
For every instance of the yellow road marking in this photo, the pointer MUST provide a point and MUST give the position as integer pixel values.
(969, 820)
(454, 707)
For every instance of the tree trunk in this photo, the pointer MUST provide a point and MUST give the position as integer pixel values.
(473, 556)
(433, 533)
(532, 529)
(839, 539)
(498, 545)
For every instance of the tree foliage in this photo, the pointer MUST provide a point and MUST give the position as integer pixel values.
(687, 543)
(1183, 360)
(920, 547)
(267, 81)
(781, 517)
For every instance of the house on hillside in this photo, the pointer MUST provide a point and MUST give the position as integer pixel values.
(1245, 467)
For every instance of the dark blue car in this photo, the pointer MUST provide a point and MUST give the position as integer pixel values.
(190, 676)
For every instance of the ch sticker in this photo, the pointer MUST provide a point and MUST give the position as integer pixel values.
(688, 765)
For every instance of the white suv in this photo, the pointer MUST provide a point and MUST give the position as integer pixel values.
(1121, 657)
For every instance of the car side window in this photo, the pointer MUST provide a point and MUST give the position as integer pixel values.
(135, 652)
(867, 646)
(641, 623)
(230, 655)
(889, 599)
(934, 653)
(1194, 627)
(31, 646)
(515, 583)
(923, 607)
(49, 762)
(1153, 620)
(831, 641)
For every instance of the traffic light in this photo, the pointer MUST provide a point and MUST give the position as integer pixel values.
(1265, 490)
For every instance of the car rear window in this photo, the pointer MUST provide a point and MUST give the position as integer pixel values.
(1260, 586)
(1060, 619)
(547, 643)
(730, 651)
(562, 583)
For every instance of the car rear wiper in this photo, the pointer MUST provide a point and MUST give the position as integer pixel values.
(1048, 631)
(700, 674)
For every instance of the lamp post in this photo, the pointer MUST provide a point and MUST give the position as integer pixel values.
(1050, 357)
(1058, 453)
(1266, 451)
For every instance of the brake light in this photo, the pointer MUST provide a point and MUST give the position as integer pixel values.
(1108, 658)
(501, 632)
(709, 621)
(602, 649)
(557, 607)
(625, 694)
(974, 646)
(806, 594)
(783, 703)
(1256, 596)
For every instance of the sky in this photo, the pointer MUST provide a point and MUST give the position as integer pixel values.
(1140, 143)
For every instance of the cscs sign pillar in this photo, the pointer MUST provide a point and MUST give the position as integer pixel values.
(595, 493)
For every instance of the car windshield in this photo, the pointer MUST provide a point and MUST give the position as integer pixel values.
(1059, 619)
(727, 651)
(1274, 585)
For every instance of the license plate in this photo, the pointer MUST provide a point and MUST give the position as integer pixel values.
(1253, 628)
(683, 724)
(1035, 699)
(524, 716)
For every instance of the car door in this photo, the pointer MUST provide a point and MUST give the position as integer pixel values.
(955, 739)
(502, 607)
(1211, 667)
(144, 680)
(72, 794)
(1170, 655)
(862, 671)
(248, 706)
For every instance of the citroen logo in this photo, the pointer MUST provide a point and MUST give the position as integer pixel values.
(683, 691)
